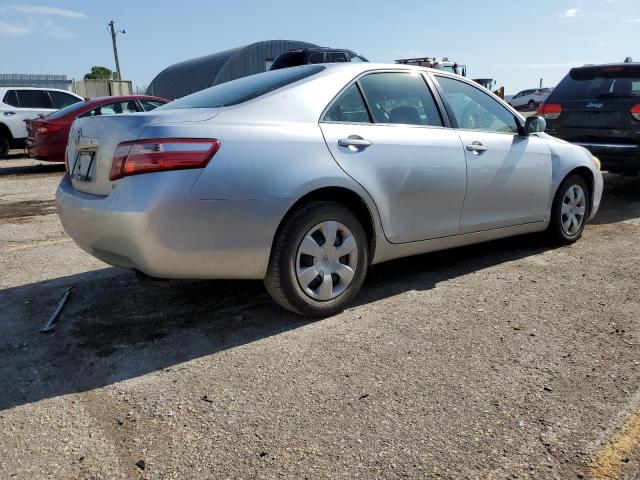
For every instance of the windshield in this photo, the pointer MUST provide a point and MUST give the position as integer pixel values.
(244, 89)
(594, 83)
(66, 110)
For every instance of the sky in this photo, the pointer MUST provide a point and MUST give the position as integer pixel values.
(512, 41)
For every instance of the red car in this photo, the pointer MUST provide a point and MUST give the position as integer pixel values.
(48, 136)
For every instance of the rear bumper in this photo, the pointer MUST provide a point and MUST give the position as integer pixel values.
(45, 151)
(152, 223)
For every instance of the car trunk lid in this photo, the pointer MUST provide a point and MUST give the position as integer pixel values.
(93, 141)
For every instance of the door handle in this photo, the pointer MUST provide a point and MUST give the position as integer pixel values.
(8, 114)
(354, 141)
(477, 148)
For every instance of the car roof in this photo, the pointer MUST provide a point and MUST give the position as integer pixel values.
(115, 98)
(606, 65)
(319, 49)
(366, 66)
(18, 87)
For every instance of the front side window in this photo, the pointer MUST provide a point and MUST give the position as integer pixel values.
(400, 98)
(474, 109)
(349, 108)
(61, 99)
(33, 99)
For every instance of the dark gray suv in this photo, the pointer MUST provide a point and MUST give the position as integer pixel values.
(305, 56)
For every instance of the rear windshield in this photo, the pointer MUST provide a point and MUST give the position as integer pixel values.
(243, 89)
(68, 109)
(598, 83)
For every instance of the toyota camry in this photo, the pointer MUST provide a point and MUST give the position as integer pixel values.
(304, 177)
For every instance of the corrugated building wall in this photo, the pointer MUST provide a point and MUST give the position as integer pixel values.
(199, 73)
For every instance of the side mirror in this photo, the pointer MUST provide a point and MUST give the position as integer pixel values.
(534, 125)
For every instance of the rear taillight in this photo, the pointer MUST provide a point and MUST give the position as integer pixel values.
(550, 111)
(161, 154)
(635, 111)
(46, 128)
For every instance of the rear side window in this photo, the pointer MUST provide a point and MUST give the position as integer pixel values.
(598, 83)
(149, 105)
(286, 60)
(68, 109)
(316, 58)
(10, 98)
(244, 89)
(337, 57)
(349, 108)
(61, 99)
(115, 108)
(400, 98)
(34, 99)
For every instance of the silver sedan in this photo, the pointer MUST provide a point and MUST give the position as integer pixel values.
(305, 176)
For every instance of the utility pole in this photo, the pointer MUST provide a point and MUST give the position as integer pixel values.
(112, 30)
(540, 83)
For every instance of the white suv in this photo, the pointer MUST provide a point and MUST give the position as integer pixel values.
(530, 99)
(18, 104)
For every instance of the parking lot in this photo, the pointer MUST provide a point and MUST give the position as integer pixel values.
(511, 359)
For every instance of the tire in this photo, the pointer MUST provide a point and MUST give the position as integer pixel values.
(4, 146)
(531, 106)
(564, 208)
(328, 292)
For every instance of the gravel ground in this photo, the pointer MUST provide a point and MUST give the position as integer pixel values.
(510, 359)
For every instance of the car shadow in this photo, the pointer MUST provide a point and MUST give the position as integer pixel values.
(115, 327)
(32, 169)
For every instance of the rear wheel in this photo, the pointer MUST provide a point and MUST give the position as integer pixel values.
(4, 146)
(531, 106)
(570, 210)
(319, 260)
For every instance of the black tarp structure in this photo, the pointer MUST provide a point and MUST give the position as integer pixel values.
(199, 73)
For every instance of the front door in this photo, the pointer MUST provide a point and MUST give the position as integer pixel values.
(508, 175)
(394, 145)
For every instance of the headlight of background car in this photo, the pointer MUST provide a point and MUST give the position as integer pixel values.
(596, 161)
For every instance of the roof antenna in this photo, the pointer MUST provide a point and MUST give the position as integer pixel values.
(628, 60)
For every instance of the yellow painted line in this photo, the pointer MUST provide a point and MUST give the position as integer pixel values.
(606, 465)
(27, 246)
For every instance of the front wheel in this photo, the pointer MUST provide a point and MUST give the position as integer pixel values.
(319, 259)
(570, 210)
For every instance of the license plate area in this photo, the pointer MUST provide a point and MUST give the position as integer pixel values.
(82, 167)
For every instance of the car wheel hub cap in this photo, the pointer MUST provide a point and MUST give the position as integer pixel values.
(573, 210)
(326, 260)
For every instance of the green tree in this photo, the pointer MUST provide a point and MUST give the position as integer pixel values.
(101, 73)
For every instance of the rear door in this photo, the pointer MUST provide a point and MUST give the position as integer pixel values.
(508, 175)
(392, 142)
(595, 105)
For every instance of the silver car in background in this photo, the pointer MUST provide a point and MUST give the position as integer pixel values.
(303, 177)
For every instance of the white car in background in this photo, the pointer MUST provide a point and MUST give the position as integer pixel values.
(531, 99)
(18, 104)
